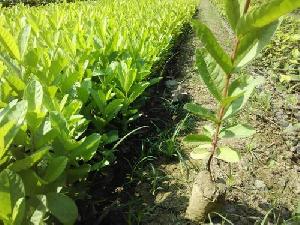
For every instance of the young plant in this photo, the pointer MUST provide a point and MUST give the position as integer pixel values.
(220, 73)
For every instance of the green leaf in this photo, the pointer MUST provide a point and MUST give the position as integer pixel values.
(228, 100)
(9, 43)
(265, 15)
(55, 168)
(196, 139)
(11, 118)
(238, 131)
(57, 65)
(34, 95)
(207, 77)
(23, 39)
(11, 64)
(62, 207)
(244, 87)
(33, 183)
(252, 43)
(129, 80)
(228, 155)
(200, 111)
(113, 108)
(59, 123)
(232, 9)
(88, 147)
(84, 90)
(18, 212)
(72, 108)
(200, 152)
(212, 46)
(11, 190)
(137, 90)
(29, 160)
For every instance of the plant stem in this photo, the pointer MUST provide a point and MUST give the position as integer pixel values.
(247, 6)
(221, 112)
(222, 107)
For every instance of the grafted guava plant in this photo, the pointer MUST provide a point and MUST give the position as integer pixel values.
(220, 72)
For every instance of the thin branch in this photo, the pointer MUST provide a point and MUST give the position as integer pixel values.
(247, 5)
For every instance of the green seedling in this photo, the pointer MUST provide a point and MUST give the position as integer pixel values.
(219, 71)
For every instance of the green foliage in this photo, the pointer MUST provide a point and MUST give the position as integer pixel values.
(200, 111)
(70, 75)
(212, 46)
(254, 28)
(264, 15)
(233, 12)
(210, 74)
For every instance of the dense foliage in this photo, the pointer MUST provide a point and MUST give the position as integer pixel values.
(67, 71)
(29, 2)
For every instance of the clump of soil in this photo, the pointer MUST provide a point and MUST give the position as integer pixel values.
(206, 197)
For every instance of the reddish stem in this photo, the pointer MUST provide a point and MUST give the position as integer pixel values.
(247, 5)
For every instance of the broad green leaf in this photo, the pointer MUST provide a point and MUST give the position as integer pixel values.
(200, 152)
(228, 155)
(72, 108)
(4, 130)
(59, 123)
(200, 111)
(213, 47)
(137, 90)
(265, 15)
(99, 99)
(252, 44)
(33, 183)
(129, 80)
(16, 83)
(88, 147)
(34, 95)
(113, 108)
(11, 118)
(32, 58)
(9, 43)
(62, 207)
(244, 86)
(56, 166)
(232, 9)
(207, 77)
(29, 160)
(238, 131)
(197, 139)
(228, 100)
(57, 65)
(242, 4)
(84, 90)
(23, 40)
(11, 190)
(18, 212)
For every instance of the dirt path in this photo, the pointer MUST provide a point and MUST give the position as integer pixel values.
(268, 175)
